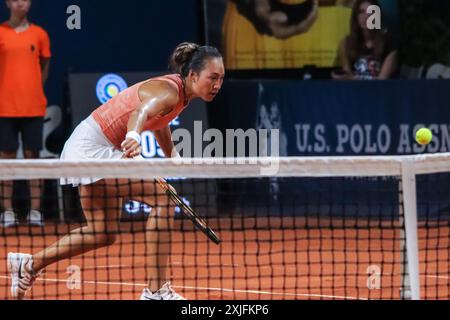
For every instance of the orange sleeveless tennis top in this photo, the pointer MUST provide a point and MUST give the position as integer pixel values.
(113, 116)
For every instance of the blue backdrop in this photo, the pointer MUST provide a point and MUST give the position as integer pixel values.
(336, 119)
(115, 36)
(326, 118)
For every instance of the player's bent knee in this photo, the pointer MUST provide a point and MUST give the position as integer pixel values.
(164, 211)
(162, 201)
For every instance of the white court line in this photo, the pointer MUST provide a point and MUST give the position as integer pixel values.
(129, 284)
(271, 293)
(209, 289)
(177, 263)
(217, 289)
(426, 276)
(436, 277)
(114, 266)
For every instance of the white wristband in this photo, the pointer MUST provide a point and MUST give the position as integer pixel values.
(134, 135)
(175, 154)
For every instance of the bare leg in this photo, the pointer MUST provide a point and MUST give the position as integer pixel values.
(7, 186)
(35, 185)
(103, 216)
(159, 228)
(101, 229)
(159, 243)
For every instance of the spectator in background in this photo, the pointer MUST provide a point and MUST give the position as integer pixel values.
(366, 54)
(24, 65)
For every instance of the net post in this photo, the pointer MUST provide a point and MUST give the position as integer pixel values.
(405, 289)
(410, 220)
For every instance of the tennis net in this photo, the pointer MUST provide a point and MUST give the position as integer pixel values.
(317, 228)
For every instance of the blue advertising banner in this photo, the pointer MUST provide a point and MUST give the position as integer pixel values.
(340, 119)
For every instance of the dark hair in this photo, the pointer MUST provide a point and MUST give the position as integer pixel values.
(189, 56)
(355, 41)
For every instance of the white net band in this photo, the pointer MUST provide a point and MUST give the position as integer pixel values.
(226, 167)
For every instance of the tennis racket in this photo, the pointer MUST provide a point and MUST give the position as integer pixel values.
(188, 211)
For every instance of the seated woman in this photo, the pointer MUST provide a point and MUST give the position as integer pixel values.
(366, 54)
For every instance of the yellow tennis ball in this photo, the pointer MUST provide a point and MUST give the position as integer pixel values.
(424, 136)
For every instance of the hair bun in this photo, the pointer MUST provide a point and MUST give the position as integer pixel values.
(189, 56)
(183, 53)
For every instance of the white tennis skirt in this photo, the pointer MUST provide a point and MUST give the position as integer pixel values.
(88, 142)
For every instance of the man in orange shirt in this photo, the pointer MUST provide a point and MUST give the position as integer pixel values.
(24, 64)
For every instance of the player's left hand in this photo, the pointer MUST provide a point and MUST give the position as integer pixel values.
(131, 148)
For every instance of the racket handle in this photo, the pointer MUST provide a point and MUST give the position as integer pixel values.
(212, 235)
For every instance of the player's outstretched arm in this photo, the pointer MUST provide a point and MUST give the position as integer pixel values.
(157, 97)
(164, 138)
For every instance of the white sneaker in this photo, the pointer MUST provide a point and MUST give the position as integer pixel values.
(34, 218)
(8, 219)
(165, 293)
(20, 267)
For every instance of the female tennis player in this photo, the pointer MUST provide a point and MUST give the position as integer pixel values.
(113, 132)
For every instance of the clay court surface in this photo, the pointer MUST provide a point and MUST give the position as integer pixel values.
(299, 263)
